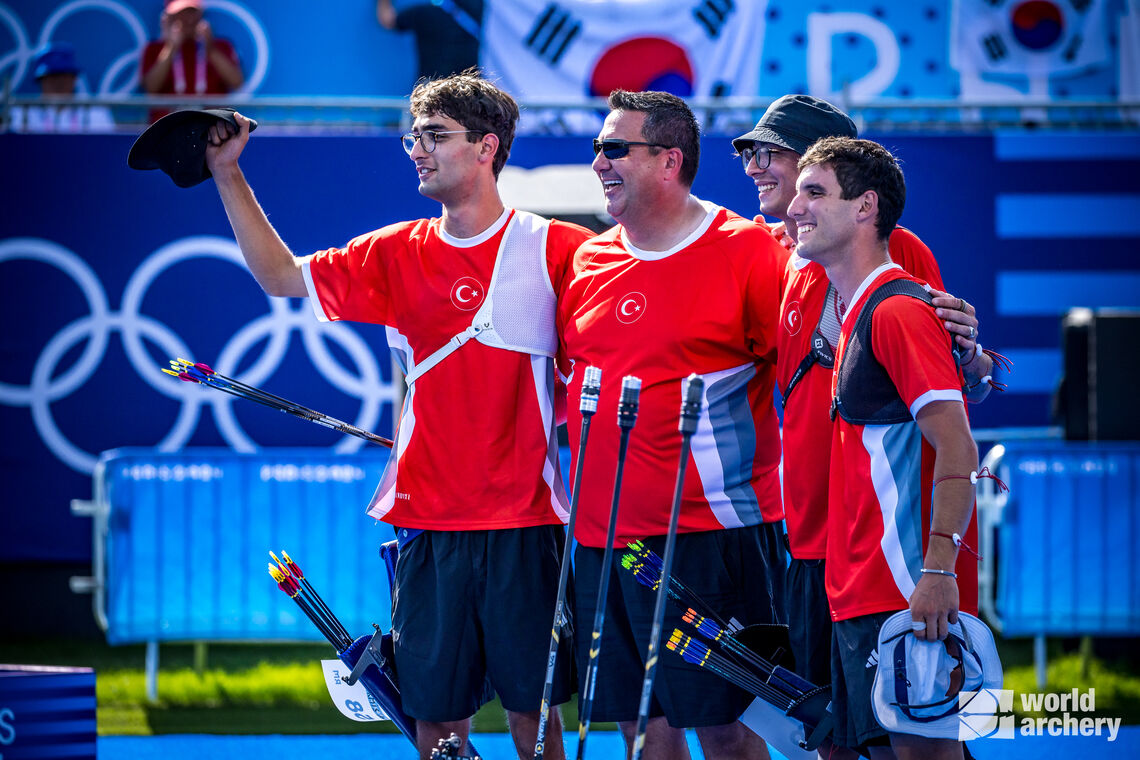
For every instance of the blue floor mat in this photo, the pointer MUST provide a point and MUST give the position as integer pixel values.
(499, 747)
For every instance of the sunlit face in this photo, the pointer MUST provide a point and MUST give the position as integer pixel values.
(448, 171)
(629, 183)
(776, 183)
(825, 223)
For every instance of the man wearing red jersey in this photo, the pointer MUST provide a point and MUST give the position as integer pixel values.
(900, 434)
(468, 301)
(810, 314)
(680, 285)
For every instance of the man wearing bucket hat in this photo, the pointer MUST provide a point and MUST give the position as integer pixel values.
(903, 460)
(806, 343)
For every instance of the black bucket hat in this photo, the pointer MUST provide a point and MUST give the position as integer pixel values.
(176, 143)
(795, 122)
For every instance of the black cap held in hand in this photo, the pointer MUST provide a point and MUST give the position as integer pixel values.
(177, 142)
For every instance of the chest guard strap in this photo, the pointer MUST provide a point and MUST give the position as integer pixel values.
(518, 311)
(820, 352)
(865, 394)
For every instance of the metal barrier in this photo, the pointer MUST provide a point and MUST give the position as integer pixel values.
(560, 116)
(1060, 548)
(181, 544)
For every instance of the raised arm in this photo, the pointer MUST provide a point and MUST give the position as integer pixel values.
(934, 602)
(272, 264)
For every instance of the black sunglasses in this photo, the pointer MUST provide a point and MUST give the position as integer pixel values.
(612, 149)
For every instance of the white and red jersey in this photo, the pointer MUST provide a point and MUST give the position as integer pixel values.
(708, 306)
(476, 448)
(807, 427)
(881, 475)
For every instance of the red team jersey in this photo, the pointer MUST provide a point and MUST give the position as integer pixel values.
(707, 306)
(475, 448)
(807, 440)
(881, 475)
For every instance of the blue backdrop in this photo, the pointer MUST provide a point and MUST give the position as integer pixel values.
(872, 47)
(106, 273)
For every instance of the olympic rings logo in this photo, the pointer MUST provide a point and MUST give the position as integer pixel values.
(274, 329)
(21, 56)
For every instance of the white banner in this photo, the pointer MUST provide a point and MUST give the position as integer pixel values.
(582, 48)
(1036, 38)
(353, 701)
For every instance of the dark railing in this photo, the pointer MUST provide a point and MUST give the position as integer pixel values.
(563, 116)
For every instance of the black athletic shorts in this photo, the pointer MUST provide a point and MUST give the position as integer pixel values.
(472, 606)
(729, 569)
(853, 642)
(809, 620)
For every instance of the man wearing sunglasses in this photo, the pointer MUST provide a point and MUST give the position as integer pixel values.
(679, 286)
(473, 483)
(810, 317)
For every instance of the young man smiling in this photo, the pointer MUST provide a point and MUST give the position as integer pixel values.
(810, 315)
(480, 524)
(903, 459)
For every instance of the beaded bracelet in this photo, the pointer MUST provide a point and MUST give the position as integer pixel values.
(934, 571)
(957, 542)
(973, 477)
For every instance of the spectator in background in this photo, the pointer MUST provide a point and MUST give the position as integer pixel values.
(188, 60)
(447, 33)
(57, 73)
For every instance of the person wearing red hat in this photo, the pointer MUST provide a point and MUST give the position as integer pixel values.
(189, 59)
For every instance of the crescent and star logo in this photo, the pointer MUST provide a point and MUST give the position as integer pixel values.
(793, 320)
(467, 294)
(629, 308)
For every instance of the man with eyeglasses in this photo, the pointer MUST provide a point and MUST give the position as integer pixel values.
(680, 285)
(811, 314)
(473, 483)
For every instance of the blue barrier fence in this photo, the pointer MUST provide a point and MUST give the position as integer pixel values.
(182, 543)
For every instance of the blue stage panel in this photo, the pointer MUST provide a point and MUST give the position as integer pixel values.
(1052, 293)
(1056, 215)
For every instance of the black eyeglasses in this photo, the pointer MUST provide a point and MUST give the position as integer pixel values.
(763, 156)
(429, 138)
(612, 149)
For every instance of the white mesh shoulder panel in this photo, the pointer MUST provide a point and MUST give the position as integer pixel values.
(518, 313)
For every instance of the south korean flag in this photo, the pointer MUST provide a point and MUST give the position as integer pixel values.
(570, 49)
(1036, 38)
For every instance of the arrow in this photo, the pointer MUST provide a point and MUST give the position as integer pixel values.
(192, 372)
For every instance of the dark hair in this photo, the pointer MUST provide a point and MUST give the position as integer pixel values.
(668, 121)
(859, 166)
(475, 103)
